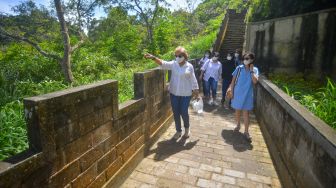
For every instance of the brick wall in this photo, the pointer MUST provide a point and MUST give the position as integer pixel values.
(302, 146)
(81, 137)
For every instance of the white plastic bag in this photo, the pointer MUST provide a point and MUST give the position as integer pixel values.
(197, 105)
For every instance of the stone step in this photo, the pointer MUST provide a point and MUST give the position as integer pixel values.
(235, 40)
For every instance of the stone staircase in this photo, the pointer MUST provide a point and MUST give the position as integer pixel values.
(233, 34)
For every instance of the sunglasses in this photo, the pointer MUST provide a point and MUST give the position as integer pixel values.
(179, 56)
(246, 58)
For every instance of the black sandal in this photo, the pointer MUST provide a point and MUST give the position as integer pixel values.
(248, 137)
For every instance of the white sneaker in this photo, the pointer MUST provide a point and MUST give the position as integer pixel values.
(177, 135)
(210, 102)
(186, 133)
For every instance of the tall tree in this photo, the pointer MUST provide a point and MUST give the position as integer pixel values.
(146, 10)
(23, 31)
(65, 61)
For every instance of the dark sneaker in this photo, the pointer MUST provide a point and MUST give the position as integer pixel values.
(177, 135)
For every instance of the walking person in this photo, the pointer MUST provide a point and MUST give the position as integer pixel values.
(183, 84)
(242, 100)
(211, 73)
(238, 57)
(228, 66)
(205, 58)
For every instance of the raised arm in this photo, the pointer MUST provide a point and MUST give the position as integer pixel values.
(254, 74)
(154, 58)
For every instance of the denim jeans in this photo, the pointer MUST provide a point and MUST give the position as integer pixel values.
(211, 84)
(180, 105)
(225, 86)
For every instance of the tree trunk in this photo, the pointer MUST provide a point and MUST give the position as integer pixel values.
(150, 34)
(65, 63)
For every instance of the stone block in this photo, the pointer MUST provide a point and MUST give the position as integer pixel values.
(91, 156)
(139, 142)
(87, 123)
(207, 183)
(103, 115)
(106, 160)
(84, 179)
(67, 134)
(139, 90)
(84, 108)
(99, 181)
(128, 153)
(223, 179)
(111, 142)
(66, 175)
(114, 167)
(131, 108)
(59, 161)
(76, 148)
(136, 135)
(65, 116)
(122, 146)
(102, 132)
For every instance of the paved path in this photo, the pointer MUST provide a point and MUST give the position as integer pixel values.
(214, 156)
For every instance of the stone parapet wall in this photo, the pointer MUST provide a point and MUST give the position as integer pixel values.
(302, 146)
(302, 43)
(82, 137)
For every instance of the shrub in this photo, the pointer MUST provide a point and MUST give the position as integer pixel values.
(319, 99)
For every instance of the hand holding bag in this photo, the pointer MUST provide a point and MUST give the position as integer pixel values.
(229, 92)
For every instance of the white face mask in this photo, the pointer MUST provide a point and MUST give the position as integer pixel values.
(236, 55)
(229, 58)
(214, 58)
(179, 59)
(206, 55)
(246, 62)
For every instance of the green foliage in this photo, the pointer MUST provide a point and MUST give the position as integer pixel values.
(321, 100)
(13, 134)
(114, 50)
(210, 9)
(199, 46)
(259, 10)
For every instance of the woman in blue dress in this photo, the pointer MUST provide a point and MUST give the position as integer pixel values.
(242, 101)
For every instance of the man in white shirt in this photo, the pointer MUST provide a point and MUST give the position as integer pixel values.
(183, 84)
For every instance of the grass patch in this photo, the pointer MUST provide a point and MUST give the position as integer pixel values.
(317, 97)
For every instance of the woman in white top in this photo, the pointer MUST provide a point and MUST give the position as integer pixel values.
(205, 58)
(211, 72)
(183, 84)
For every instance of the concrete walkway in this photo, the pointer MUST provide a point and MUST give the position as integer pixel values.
(214, 156)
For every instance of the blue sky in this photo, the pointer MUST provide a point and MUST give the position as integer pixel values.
(5, 5)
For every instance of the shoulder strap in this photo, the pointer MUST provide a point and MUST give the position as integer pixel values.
(237, 75)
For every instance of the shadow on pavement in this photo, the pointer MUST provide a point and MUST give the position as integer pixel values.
(166, 148)
(237, 140)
